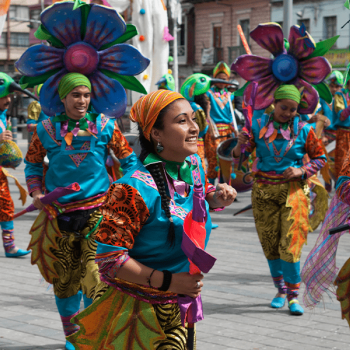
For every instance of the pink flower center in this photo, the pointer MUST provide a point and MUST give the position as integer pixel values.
(81, 58)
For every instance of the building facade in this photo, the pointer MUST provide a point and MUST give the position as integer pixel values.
(323, 19)
(209, 32)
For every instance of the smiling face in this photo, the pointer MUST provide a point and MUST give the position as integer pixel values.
(179, 135)
(5, 102)
(77, 102)
(285, 110)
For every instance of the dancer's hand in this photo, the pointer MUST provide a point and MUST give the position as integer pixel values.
(223, 196)
(242, 139)
(36, 199)
(184, 283)
(291, 173)
(6, 136)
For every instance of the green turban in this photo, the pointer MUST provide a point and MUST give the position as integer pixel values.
(70, 81)
(289, 92)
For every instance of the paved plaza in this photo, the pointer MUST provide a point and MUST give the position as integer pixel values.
(236, 295)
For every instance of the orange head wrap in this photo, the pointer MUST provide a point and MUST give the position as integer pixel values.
(146, 110)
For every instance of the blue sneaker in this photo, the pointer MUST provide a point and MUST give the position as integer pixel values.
(295, 308)
(69, 346)
(214, 226)
(278, 302)
(19, 252)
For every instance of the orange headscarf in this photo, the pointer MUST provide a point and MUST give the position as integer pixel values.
(146, 110)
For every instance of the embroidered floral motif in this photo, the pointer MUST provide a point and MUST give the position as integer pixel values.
(222, 102)
(177, 211)
(195, 173)
(146, 178)
(104, 121)
(76, 158)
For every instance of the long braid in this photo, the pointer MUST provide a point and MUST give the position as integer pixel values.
(147, 147)
(159, 180)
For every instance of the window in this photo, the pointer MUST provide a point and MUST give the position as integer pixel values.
(19, 12)
(246, 29)
(19, 39)
(306, 23)
(217, 37)
(3, 40)
(35, 15)
(330, 27)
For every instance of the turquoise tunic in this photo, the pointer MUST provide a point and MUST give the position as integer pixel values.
(220, 110)
(151, 247)
(83, 162)
(3, 121)
(280, 154)
(336, 116)
(325, 110)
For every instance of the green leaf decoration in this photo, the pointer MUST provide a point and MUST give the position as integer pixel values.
(43, 34)
(240, 91)
(117, 321)
(85, 10)
(29, 82)
(347, 4)
(323, 47)
(130, 32)
(347, 75)
(128, 82)
(324, 92)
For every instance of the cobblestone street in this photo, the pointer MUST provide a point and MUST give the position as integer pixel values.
(236, 295)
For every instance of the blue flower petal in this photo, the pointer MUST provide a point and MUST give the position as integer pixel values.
(123, 59)
(62, 22)
(40, 59)
(49, 98)
(104, 25)
(108, 95)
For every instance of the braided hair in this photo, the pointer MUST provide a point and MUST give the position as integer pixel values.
(147, 147)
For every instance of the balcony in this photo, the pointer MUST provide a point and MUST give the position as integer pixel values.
(212, 56)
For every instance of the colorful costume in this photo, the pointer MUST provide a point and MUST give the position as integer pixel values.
(280, 206)
(320, 271)
(135, 224)
(77, 149)
(221, 114)
(10, 156)
(341, 119)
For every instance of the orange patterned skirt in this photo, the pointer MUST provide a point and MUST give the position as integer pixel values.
(7, 208)
(341, 148)
(211, 145)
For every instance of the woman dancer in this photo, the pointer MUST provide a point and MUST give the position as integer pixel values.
(142, 264)
(280, 195)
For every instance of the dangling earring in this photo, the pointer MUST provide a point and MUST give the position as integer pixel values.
(160, 148)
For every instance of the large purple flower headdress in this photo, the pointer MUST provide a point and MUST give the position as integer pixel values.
(88, 39)
(302, 65)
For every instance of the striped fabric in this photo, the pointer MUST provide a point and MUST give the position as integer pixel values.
(146, 110)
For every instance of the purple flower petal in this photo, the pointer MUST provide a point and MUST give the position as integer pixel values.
(270, 130)
(108, 95)
(62, 22)
(285, 133)
(104, 25)
(297, 46)
(40, 59)
(270, 37)
(123, 59)
(49, 98)
(314, 70)
(252, 68)
(264, 95)
(310, 95)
